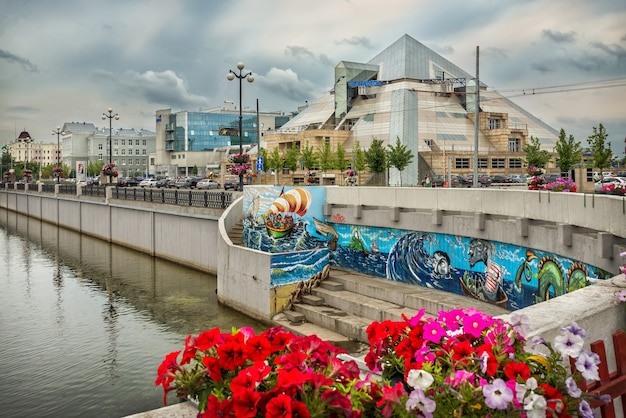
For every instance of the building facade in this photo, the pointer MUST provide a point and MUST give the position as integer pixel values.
(188, 141)
(25, 150)
(412, 93)
(83, 143)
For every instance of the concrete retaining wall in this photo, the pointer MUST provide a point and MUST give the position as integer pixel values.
(185, 238)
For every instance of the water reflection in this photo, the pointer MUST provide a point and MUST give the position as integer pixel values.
(88, 322)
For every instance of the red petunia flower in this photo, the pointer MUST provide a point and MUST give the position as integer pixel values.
(245, 403)
(515, 369)
(279, 407)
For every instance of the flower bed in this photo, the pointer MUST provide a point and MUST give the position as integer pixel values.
(462, 363)
(614, 188)
(561, 185)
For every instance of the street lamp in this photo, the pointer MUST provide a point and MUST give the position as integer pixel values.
(58, 132)
(231, 76)
(110, 116)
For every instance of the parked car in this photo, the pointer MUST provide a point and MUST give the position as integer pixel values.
(171, 184)
(438, 180)
(500, 179)
(182, 183)
(127, 182)
(148, 183)
(607, 180)
(463, 181)
(193, 181)
(483, 180)
(162, 183)
(207, 184)
(231, 184)
(549, 178)
(517, 178)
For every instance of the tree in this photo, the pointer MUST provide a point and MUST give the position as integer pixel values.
(534, 154)
(340, 159)
(94, 168)
(569, 152)
(600, 150)
(376, 158)
(291, 158)
(309, 158)
(399, 156)
(194, 170)
(358, 156)
(274, 160)
(263, 154)
(325, 157)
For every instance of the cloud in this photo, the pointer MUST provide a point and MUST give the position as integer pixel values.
(618, 51)
(28, 66)
(286, 84)
(498, 52)
(23, 109)
(298, 52)
(359, 41)
(559, 37)
(161, 88)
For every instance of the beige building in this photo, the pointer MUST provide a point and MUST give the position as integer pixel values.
(410, 92)
(25, 149)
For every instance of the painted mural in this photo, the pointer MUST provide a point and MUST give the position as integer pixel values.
(507, 275)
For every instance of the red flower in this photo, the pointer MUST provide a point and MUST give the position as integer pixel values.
(212, 365)
(279, 407)
(391, 396)
(208, 339)
(462, 352)
(217, 408)
(231, 354)
(258, 348)
(245, 402)
(513, 369)
(299, 410)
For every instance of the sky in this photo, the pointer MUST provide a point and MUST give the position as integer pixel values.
(71, 60)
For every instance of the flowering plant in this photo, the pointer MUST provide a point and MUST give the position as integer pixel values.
(108, 169)
(561, 185)
(57, 170)
(27, 173)
(614, 188)
(239, 158)
(535, 171)
(350, 173)
(466, 363)
(536, 183)
(273, 374)
(239, 169)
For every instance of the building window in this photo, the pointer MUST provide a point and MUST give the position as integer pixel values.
(515, 163)
(137, 142)
(100, 157)
(137, 161)
(123, 151)
(482, 163)
(100, 146)
(143, 152)
(497, 163)
(494, 123)
(123, 142)
(123, 161)
(115, 142)
(461, 163)
(144, 142)
(514, 145)
(136, 151)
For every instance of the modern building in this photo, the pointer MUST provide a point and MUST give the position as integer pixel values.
(202, 140)
(83, 143)
(412, 93)
(25, 150)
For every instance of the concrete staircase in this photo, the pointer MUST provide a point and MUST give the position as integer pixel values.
(236, 233)
(344, 305)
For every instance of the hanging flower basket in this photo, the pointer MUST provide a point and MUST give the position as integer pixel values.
(109, 170)
(239, 169)
(239, 158)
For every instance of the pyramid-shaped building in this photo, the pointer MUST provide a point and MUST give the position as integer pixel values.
(410, 92)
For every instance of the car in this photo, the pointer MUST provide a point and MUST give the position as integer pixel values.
(464, 181)
(483, 180)
(148, 183)
(500, 179)
(182, 183)
(193, 181)
(549, 178)
(207, 184)
(517, 178)
(608, 180)
(127, 182)
(162, 183)
(231, 184)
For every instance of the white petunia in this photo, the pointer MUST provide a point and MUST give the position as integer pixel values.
(419, 379)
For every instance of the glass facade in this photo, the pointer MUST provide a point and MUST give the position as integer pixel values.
(200, 131)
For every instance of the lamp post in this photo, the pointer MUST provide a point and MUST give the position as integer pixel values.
(58, 132)
(109, 114)
(231, 76)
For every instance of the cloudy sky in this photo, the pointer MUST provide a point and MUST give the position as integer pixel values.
(70, 60)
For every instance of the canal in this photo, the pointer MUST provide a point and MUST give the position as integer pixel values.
(84, 324)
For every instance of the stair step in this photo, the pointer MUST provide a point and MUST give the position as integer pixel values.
(364, 306)
(294, 317)
(312, 300)
(332, 285)
(352, 326)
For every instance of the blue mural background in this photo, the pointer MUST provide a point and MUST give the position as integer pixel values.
(508, 275)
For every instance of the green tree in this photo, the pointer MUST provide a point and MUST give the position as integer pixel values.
(275, 161)
(263, 154)
(340, 159)
(325, 157)
(600, 149)
(291, 158)
(194, 170)
(376, 159)
(309, 158)
(399, 156)
(358, 156)
(534, 154)
(94, 168)
(569, 152)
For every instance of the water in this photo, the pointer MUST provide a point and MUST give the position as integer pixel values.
(85, 324)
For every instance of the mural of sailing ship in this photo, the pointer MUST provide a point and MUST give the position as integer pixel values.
(279, 220)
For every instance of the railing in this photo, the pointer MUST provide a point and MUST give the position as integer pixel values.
(611, 384)
(194, 198)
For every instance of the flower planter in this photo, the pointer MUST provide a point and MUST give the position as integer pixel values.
(240, 160)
